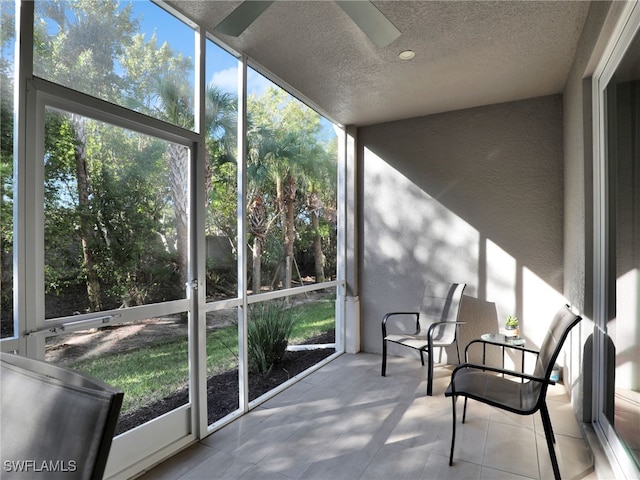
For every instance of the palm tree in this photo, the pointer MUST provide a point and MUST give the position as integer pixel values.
(176, 107)
(319, 186)
(293, 160)
(220, 125)
(260, 152)
(221, 164)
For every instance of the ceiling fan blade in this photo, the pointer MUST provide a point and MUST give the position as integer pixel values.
(371, 21)
(244, 15)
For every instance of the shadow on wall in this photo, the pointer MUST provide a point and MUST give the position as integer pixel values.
(474, 196)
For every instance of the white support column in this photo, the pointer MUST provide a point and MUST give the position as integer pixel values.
(197, 250)
(351, 192)
(243, 368)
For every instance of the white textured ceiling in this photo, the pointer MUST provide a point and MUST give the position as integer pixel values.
(468, 53)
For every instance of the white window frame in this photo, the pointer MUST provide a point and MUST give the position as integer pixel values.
(32, 95)
(628, 26)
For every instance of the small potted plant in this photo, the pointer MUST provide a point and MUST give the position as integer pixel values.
(512, 330)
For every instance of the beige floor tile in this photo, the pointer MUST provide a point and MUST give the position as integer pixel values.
(563, 419)
(180, 464)
(557, 392)
(348, 465)
(346, 421)
(292, 396)
(395, 461)
(437, 468)
(295, 454)
(221, 465)
(493, 474)
(316, 403)
(475, 410)
(511, 449)
(256, 444)
(574, 457)
(257, 472)
(420, 425)
(470, 441)
(508, 418)
(229, 437)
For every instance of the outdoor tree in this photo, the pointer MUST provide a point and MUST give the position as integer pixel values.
(7, 34)
(117, 202)
(221, 120)
(81, 52)
(288, 155)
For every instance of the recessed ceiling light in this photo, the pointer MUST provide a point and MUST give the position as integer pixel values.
(406, 54)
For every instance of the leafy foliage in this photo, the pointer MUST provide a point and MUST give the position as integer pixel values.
(115, 206)
(269, 330)
(148, 374)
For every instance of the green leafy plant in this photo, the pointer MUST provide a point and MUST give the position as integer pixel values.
(512, 321)
(270, 327)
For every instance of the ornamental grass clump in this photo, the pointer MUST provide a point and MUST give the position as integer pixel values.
(269, 330)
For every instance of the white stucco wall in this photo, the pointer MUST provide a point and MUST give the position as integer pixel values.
(473, 196)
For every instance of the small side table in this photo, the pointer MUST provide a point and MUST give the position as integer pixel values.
(498, 338)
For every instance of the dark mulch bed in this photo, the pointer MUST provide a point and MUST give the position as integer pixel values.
(222, 389)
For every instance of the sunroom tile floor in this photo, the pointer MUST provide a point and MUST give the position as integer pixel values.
(345, 421)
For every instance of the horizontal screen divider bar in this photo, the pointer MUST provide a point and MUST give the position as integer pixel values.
(262, 297)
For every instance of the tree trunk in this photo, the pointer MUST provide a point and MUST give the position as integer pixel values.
(86, 230)
(289, 228)
(257, 265)
(258, 221)
(179, 183)
(281, 213)
(314, 205)
(318, 254)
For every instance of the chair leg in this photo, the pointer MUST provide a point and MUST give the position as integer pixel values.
(458, 352)
(553, 436)
(430, 374)
(548, 433)
(422, 357)
(453, 431)
(464, 410)
(384, 357)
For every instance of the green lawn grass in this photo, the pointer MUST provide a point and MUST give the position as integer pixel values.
(153, 372)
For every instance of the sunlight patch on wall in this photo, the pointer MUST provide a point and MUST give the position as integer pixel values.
(501, 280)
(407, 229)
(540, 302)
(390, 247)
(626, 331)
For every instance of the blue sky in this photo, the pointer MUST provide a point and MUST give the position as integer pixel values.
(222, 68)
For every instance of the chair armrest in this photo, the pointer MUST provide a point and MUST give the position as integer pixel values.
(391, 314)
(435, 325)
(504, 371)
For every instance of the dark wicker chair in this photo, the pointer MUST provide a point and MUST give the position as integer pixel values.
(436, 325)
(490, 385)
(54, 419)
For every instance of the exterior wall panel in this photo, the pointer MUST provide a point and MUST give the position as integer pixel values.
(473, 196)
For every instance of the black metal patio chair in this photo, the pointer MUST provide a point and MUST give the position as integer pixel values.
(436, 325)
(513, 391)
(54, 420)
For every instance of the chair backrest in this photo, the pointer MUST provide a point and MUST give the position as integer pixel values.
(441, 303)
(54, 420)
(560, 327)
